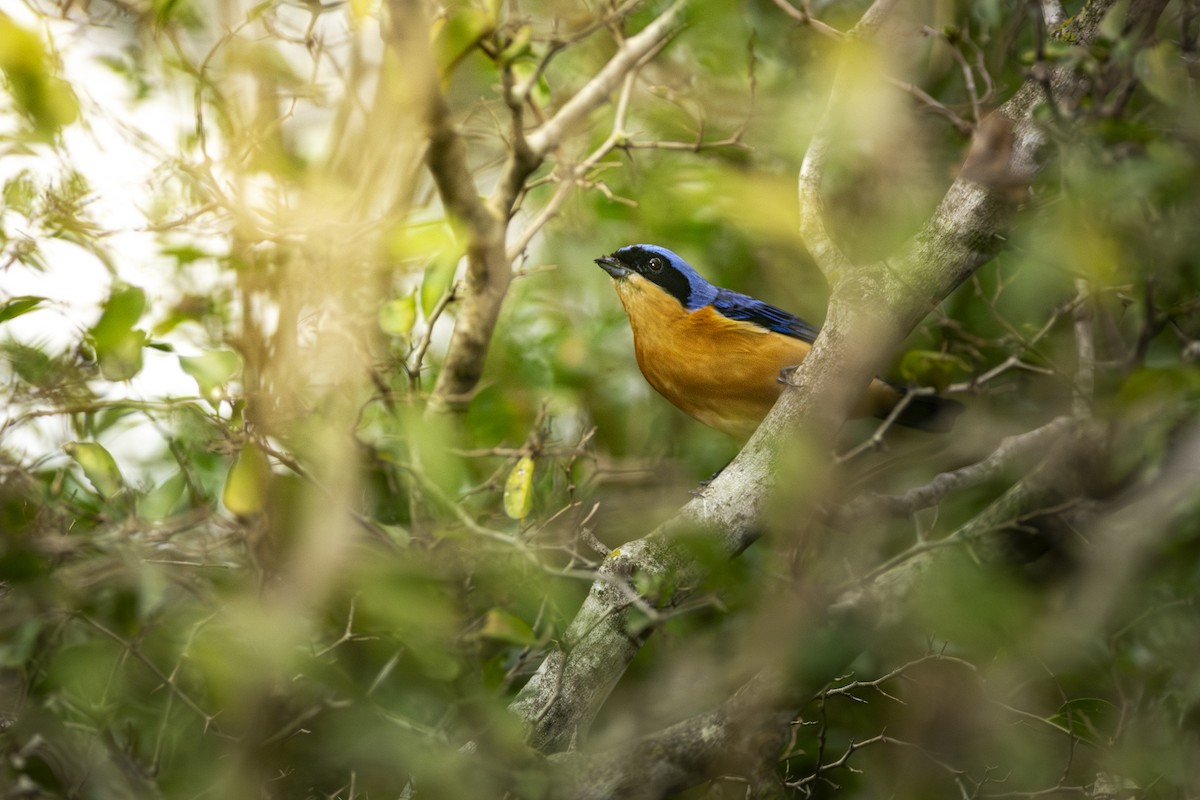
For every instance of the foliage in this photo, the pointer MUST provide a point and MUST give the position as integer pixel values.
(250, 545)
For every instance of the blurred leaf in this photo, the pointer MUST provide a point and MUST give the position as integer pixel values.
(245, 492)
(1113, 22)
(457, 34)
(974, 608)
(438, 278)
(189, 308)
(20, 192)
(518, 489)
(44, 99)
(167, 12)
(438, 664)
(518, 46)
(18, 306)
(1159, 388)
(397, 317)
(212, 370)
(397, 534)
(17, 645)
(525, 69)
(97, 424)
(502, 626)
(118, 344)
(121, 359)
(1162, 72)
(32, 365)
(99, 466)
(162, 500)
(187, 253)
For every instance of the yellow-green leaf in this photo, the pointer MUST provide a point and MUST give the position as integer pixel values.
(212, 370)
(121, 359)
(99, 466)
(518, 489)
(518, 45)
(438, 278)
(1162, 72)
(159, 502)
(245, 492)
(397, 317)
(1113, 21)
(458, 34)
(118, 343)
(44, 99)
(501, 626)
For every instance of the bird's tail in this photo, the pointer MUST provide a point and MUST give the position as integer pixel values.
(928, 412)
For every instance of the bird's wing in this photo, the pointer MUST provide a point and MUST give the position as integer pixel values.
(743, 307)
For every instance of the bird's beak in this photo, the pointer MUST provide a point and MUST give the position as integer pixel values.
(612, 266)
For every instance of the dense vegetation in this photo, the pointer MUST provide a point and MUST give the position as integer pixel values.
(326, 469)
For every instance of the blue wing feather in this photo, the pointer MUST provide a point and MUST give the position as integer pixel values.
(745, 308)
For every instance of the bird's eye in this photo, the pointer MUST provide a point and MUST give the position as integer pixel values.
(656, 265)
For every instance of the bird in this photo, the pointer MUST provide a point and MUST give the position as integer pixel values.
(719, 355)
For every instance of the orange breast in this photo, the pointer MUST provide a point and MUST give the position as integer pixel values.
(722, 372)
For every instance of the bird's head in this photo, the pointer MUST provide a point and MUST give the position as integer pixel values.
(643, 266)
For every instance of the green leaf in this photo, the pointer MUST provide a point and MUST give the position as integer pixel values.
(501, 626)
(158, 503)
(44, 99)
(122, 311)
(18, 645)
(518, 46)
(438, 278)
(397, 317)
(397, 534)
(1162, 72)
(18, 306)
(120, 360)
(1113, 22)
(245, 492)
(118, 344)
(459, 34)
(212, 370)
(99, 466)
(518, 489)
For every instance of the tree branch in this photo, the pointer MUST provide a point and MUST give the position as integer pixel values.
(596, 91)
(1010, 450)
(484, 224)
(877, 303)
(739, 736)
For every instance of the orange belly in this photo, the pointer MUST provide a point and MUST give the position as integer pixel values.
(722, 372)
